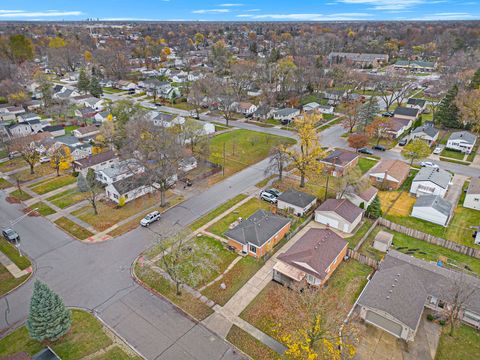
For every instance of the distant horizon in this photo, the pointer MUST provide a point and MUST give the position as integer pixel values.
(241, 11)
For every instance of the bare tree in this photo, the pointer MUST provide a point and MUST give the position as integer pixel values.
(28, 149)
(456, 298)
(278, 161)
(91, 187)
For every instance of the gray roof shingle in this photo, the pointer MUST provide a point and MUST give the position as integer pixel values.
(297, 198)
(436, 202)
(463, 135)
(437, 176)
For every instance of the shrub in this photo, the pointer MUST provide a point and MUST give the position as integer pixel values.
(442, 322)
(430, 317)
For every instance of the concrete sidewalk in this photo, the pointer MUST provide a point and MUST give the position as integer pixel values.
(12, 267)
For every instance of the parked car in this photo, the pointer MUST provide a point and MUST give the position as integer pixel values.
(388, 114)
(438, 150)
(11, 235)
(44, 159)
(150, 218)
(403, 142)
(379, 147)
(365, 150)
(428, 164)
(274, 192)
(268, 197)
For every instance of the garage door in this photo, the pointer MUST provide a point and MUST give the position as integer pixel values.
(384, 323)
(327, 221)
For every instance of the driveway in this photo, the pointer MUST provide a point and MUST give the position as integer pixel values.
(376, 344)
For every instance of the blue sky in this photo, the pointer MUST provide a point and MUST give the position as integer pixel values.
(240, 10)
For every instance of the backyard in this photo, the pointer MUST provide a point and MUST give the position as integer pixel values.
(464, 344)
(243, 148)
(85, 338)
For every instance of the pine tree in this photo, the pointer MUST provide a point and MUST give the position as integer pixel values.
(447, 113)
(48, 319)
(95, 88)
(83, 83)
(374, 210)
(475, 83)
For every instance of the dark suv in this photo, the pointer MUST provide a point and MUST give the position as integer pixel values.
(11, 235)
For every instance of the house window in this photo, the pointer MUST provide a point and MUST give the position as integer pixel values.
(471, 316)
(253, 249)
(441, 304)
(476, 199)
(379, 178)
(312, 280)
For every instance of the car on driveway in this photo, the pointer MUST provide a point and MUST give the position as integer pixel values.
(44, 159)
(428, 164)
(268, 197)
(403, 142)
(388, 114)
(438, 150)
(274, 192)
(379, 148)
(11, 235)
(365, 150)
(150, 218)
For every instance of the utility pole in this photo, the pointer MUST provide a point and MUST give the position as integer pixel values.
(223, 167)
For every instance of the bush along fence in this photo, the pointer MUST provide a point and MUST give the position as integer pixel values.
(361, 258)
(462, 249)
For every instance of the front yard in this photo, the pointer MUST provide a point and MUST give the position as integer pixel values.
(464, 344)
(452, 154)
(7, 281)
(45, 186)
(42, 208)
(272, 313)
(250, 345)
(365, 164)
(4, 184)
(67, 198)
(73, 229)
(243, 148)
(40, 171)
(86, 337)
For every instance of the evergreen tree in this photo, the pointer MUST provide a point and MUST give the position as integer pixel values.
(367, 112)
(48, 319)
(83, 83)
(374, 210)
(95, 88)
(475, 83)
(447, 113)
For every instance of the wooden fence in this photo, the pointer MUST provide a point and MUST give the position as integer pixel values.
(367, 234)
(462, 249)
(362, 258)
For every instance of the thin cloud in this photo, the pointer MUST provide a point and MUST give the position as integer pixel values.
(392, 4)
(231, 5)
(37, 14)
(309, 17)
(211, 11)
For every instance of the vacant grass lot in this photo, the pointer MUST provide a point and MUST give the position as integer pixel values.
(45, 186)
(217, 212)
(109, 214)
(365, 164)
(206, 247)
(85, 337)
(67, 198)
(243, 148)
(422, 250)
(42, 208)
(464, 344)
(73, 229)
(244, 211)
(272, 312)
(250, 345)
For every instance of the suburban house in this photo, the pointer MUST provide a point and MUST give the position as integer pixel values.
(118, 171)
(462, 141)
(263, 112)
(286, 115)
(431, 181)
(80, 150)
(340, 214)
(397, 126)
(326, 109)
(432, 208)
(428, 133)
(166, 120)
(86, 132)
(340, 161)
(96, 162)
(389, 174)
(128, 188)
(27, 117)
(296, 201)
(420, 104)
(382, 241)
(24, 128)
(245, 108)
(311, 260)
(334, 97)
(102, 116)
(407, 113)
(472, 197)
(258, 234)
(311, 106)
(359, 59)
(403, 286)
(54, 130)
(188, 164)
(94, 103)
(364, 197)
(415, 65)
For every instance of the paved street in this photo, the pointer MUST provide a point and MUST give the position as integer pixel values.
(97, 276)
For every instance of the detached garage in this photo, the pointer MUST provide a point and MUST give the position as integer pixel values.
(340, 214)
(432, 208)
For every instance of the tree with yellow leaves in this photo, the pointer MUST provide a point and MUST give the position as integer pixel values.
(56, 43)
(60, 157)
(304, 157)
(87, 55)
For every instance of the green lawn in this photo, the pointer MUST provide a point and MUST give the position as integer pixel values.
(185, 301)
(85, 338)
(464, 344)
(66, 198)
(330, 124)
(250, 345)
(234, 280)
(12, 253)
(45, 186)
(42, 208)
(243, 148)
(73, 229)
(13, 164)
(243, 211)
(4, 184)
(422, 250)
(20, 195)
(366, 164)
(452, 154)
(216, 212)
(355, 239)
(69, 129)
(8, 282)
(217, 254)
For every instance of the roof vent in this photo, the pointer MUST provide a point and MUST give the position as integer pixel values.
(388, 297)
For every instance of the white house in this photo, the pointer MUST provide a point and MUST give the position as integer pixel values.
(472, 197)
(86, 132)
(245, 108)
(432, 208)
(54, 130)
(102, 116)
(311, 106)
(80, 150)
(431, 181)
(462, 141)
(340, 214)
(425, 132)
(119, 171)
(130, 189)
(419, 104)
(297, 202)
(28, 117)
(286, 115)
(94, 103)
(326, 109)
(364, 197)
(96, 162)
